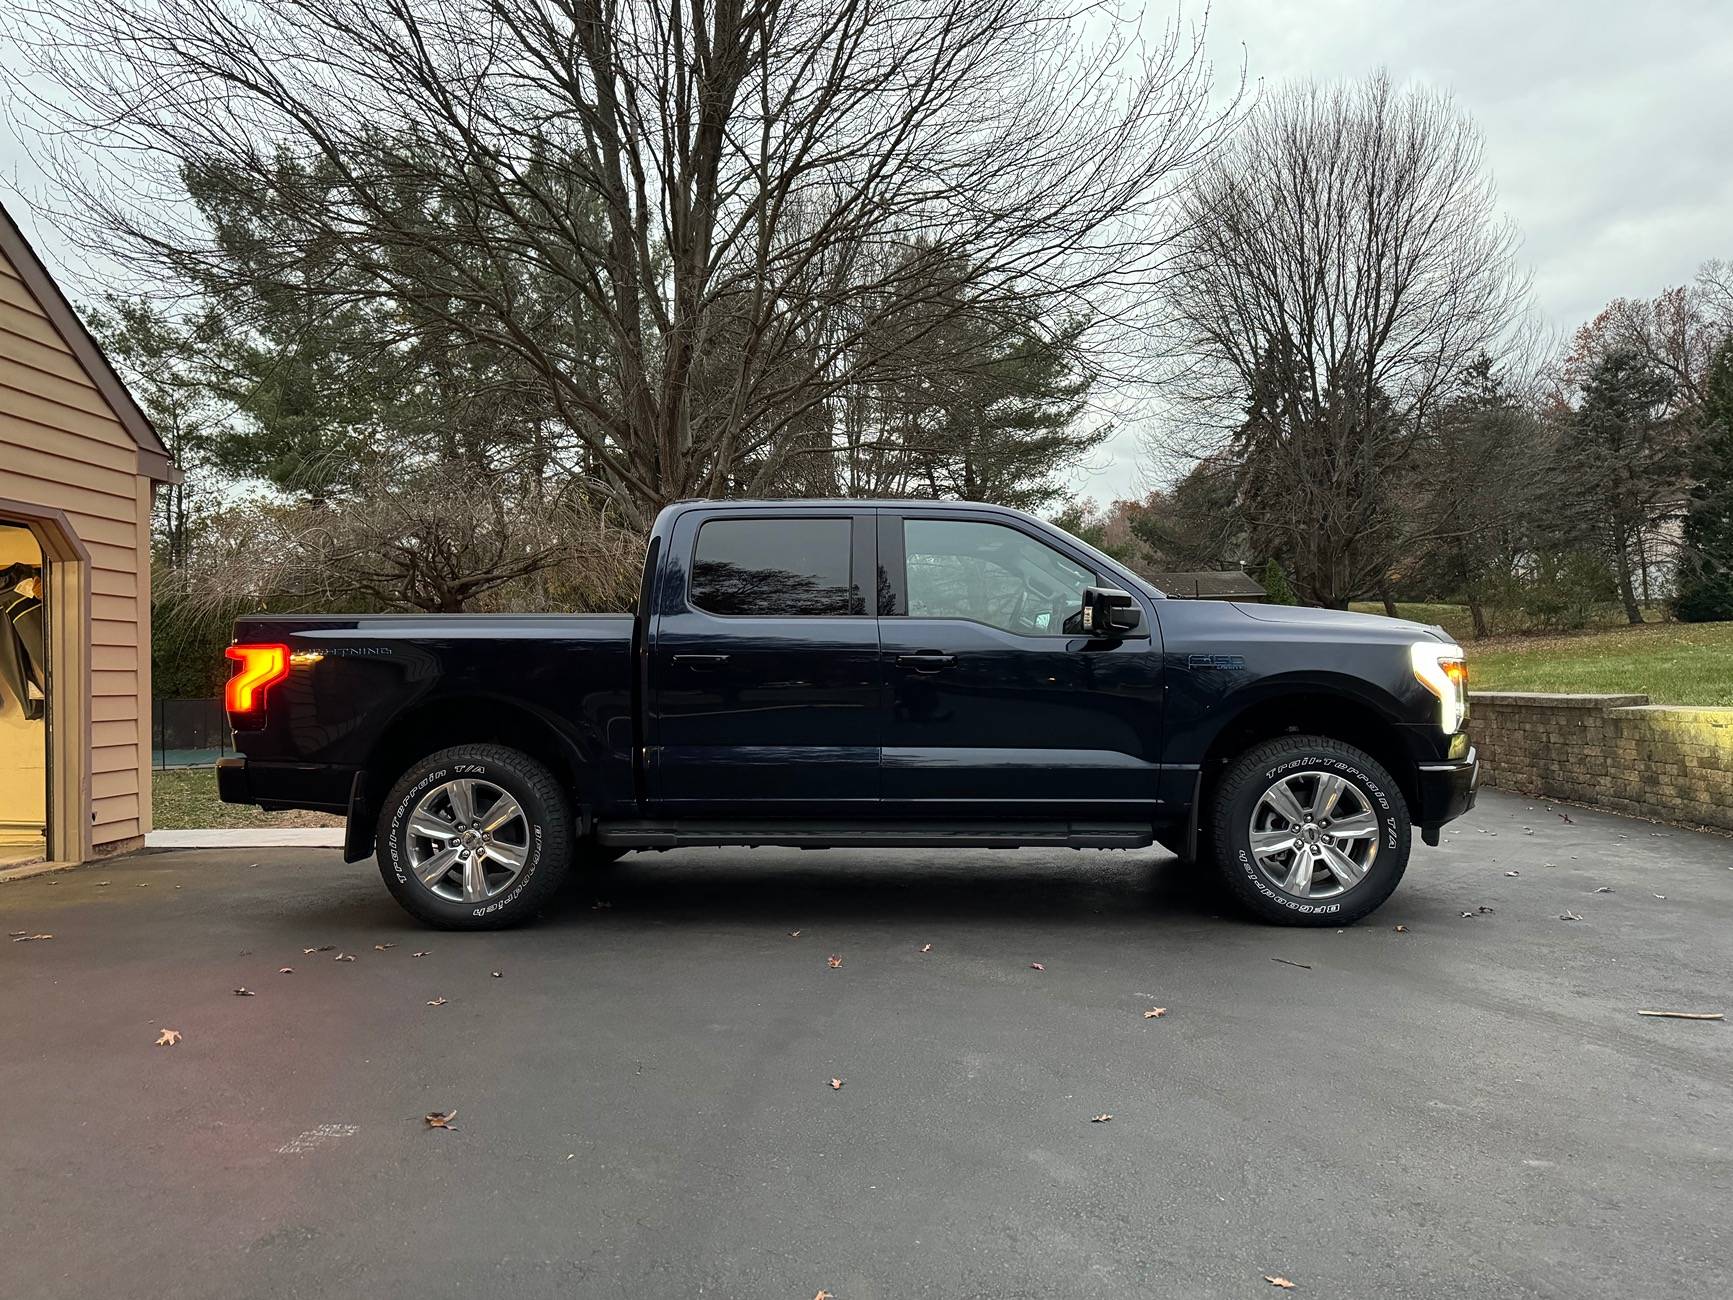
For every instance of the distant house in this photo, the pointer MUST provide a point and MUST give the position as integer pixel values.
(79, 463)
(1208, 584)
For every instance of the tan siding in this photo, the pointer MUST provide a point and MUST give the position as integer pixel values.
(87, 426)
(123, 759)
(44, 451)
(62, 447)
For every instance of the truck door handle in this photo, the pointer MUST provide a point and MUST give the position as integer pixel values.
(699, 663)
(927, 661)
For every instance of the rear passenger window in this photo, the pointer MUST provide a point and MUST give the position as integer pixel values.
(772, 568)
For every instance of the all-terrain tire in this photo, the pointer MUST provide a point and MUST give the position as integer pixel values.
(1236, 801)
(548, 841)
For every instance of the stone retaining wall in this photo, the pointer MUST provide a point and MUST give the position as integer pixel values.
(1616, 751)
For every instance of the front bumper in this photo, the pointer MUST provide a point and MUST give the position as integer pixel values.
(1446, 791)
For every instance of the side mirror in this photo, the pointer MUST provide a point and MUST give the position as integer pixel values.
(1109, 612)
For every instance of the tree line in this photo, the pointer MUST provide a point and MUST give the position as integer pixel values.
(439, 301)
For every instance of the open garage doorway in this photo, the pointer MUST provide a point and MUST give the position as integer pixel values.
(24, 697)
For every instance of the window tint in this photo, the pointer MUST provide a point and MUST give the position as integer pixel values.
(772, 568)
(993, 575)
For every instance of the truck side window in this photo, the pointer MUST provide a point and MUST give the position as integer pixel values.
(772, 568)
(991, 574)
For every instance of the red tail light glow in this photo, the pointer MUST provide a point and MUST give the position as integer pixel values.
(259, 667)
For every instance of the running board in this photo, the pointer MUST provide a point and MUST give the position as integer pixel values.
(876, 835)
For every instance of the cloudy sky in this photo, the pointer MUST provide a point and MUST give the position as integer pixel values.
(1608, 126)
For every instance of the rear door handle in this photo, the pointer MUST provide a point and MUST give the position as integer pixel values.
(927, 661)
(701, 662)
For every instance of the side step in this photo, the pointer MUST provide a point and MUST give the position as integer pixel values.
(876, 835)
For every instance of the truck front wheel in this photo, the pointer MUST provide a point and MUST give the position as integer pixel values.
(476, 837)
(1310, 831)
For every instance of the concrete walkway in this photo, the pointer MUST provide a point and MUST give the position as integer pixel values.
(258, 837)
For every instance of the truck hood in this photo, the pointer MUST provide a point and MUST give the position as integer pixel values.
(1345, 622)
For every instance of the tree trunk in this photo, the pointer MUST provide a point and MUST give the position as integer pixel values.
(1478, 612)
(1627, 593)
(1389, 600)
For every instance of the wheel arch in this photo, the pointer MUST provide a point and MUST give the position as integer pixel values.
(1309, 707)
(446, 721)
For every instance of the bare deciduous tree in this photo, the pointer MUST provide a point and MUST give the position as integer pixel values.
(1340, 264)
(755, 194)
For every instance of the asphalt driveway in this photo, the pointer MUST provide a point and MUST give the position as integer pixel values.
(1471, 1107)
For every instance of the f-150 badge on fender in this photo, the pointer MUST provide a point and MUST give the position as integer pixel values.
(1227, 663)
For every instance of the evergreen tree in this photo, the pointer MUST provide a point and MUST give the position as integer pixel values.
(1705, 580)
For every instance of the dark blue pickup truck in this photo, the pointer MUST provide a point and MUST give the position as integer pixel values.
(834, 674)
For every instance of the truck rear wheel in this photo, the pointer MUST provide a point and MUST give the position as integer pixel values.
(476, 837)
(1310, 831)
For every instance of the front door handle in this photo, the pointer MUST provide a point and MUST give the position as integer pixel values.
(701, 663)
(927, 661)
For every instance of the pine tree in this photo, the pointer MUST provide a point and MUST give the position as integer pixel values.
(1705, 581)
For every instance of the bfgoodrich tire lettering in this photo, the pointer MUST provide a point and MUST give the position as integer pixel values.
(1374, 794)
(546, 837)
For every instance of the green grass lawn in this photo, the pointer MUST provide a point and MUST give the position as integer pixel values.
(1671, 663)
(186, 799)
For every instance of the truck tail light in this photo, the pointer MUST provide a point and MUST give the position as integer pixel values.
(1441, 669)
(259, 667)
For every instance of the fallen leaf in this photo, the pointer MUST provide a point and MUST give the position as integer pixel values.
(102, 884)
(423, 953)
(926, 947)
(1569, 916)
(436, 1002)
(833, 961)
(307, 951)
(1604, 889)
(381, 947)
(285, 970)
(1401, 929)
(1662, 896)
(1513, 873)
(168, 1038)
(244, 993)
(1302, 965)
(22, 937)
(1469, 915)
(440, 1118)
(824, 1295)
(325, 947)
(794, 934)
(1685, 1015)
(1484, 910)
(1566, 820)
(600, 906)
(1099, 1119)
(836, 1084)
(343, 956)
(1276, 1279)
(1035, 965)
(496, 974)
(1155, 1013)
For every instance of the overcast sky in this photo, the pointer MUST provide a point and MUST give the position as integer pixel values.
(1608, 125)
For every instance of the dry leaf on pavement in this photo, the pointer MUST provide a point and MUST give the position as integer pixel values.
(1276, 1279)
(343, 956)
(285, 970)
(1099, 1119)
(836, 1084)
(1035, 965)
(1401, 929)
(1569, 916)
(436, 1002)
(440, 1118)
(495, 974)
(422, 953)
(824, 1295)
(833, 961)
(168, 1038)
(244, 993)
(794, 934)
(1155, 1013)
(381, 947)
(22, 937)
(1604, 889)
(926, 947)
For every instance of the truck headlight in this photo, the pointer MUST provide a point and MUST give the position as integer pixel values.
(1441, 669)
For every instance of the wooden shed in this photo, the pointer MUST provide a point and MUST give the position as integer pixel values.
(79, 463)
